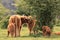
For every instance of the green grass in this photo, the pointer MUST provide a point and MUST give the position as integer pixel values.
(25, 35)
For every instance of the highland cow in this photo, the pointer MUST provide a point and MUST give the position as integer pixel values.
(11, 29)
(46, 31)
(15, 19)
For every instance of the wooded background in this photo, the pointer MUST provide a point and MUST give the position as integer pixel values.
(47, 12)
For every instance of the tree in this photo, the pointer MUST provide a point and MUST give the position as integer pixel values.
(44, 10)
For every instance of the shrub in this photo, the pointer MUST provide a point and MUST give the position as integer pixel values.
(4, 22)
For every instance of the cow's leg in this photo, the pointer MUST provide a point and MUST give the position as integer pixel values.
(30, 29)
(15, 31)
(30, 26)
(19, 26)
(44, 34)
(12, 34)
(34, 31)
(8, 33)
(19, 31)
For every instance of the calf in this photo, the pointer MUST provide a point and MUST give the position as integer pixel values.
(11, 29)
(46, 31)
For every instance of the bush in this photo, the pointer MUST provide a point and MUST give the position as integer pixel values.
(4, 22)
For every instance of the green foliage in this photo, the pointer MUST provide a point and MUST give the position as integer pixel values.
(3, 12)
(3, 16)
(44, 10)
(4, 22)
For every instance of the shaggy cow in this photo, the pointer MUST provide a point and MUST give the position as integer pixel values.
(46, 31)
(30, 22)
(15, 19)
(31, 25)
(19, 20)
(11, 29)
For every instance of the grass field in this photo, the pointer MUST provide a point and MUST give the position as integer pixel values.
(25, 35)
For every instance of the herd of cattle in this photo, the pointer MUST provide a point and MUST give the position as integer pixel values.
(15, 24)
(16, 21)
